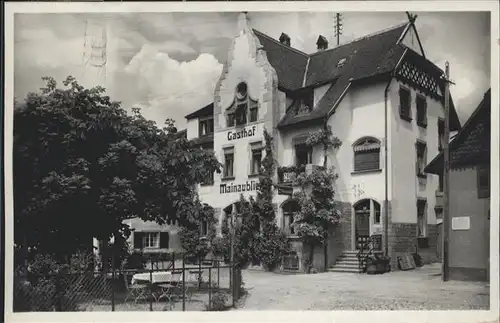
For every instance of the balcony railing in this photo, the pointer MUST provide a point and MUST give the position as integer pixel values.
(288, 174)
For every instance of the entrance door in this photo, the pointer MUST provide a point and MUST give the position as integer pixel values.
(362, 222)
(362, 228)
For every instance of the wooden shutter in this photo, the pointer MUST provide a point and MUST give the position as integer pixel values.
(138, 236)
(164, 240)
(367, 160)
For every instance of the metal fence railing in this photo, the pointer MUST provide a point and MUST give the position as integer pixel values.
(202, 286)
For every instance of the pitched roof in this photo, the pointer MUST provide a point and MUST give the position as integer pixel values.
(207, 110)
(290, 64)
(367, 57)
(471, 146)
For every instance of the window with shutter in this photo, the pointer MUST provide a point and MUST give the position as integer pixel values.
(405, 104)
(367, 155)
(421, 220)
(138, 240)
(421, 148)
(164, 240)
(421, 111)
(483, 182)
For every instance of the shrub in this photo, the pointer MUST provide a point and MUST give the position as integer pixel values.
(218, 302)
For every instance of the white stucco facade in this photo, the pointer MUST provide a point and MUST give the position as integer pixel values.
(360, 114)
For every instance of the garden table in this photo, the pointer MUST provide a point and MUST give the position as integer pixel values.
(154, 278)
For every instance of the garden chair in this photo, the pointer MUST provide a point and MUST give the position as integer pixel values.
(135, 291)
(178, 291)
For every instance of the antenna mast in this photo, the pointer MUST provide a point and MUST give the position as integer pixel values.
(338, 27)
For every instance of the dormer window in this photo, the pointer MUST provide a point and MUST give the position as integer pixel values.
(244, 109)
(206, 126)
(305, 104)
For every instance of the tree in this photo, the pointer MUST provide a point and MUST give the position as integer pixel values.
(198, 234)
(318, 210)
(82, 165)
(271, 244)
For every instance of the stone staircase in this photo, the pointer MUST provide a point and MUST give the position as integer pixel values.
(347, 263)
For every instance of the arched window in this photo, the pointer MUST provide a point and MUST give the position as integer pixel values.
(366, 154)
(243, 109)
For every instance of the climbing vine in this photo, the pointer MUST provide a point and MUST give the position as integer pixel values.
(318, 210)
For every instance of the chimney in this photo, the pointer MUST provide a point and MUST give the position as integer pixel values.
(285, 39)
(322, 43)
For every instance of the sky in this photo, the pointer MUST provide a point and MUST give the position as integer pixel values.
(168, 63)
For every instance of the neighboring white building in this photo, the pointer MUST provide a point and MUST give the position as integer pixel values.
(266, 83)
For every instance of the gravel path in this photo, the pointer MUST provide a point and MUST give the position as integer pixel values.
(419, 289)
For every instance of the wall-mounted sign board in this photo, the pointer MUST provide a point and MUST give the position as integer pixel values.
(460, 223)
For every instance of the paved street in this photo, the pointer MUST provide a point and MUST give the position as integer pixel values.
(411, 290)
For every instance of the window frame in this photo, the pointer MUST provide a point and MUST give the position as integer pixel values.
(246, 110)
(483, 191)
(420, 164)
(408, 115)
(207, 121)
(422, 206)
(229, 151)
(376, 212)
(255, 148)
(146, 240)
(308, 149)
(421, 119)
(289, 213)
(366, 141)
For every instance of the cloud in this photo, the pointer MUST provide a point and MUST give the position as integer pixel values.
(169, 88)
(169, 62)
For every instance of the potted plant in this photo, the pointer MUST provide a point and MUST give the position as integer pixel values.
(371, 264)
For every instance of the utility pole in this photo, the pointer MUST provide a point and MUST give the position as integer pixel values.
(446, 175)
(338, 30)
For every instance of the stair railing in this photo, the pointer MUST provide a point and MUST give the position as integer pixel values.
(362, 257)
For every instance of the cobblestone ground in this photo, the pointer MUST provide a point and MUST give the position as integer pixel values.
(419, 289)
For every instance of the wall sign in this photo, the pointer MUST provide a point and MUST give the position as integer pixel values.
(236, 188)
(460, 223)
(244, 133)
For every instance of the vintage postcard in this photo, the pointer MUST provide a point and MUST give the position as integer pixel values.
(263, 161)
